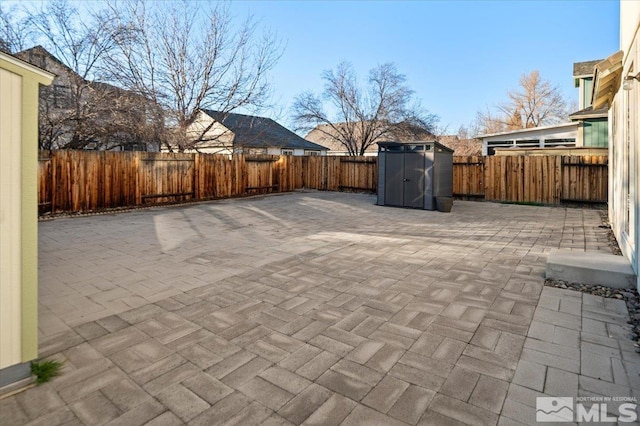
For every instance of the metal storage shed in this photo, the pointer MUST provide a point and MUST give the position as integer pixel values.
(413, 174)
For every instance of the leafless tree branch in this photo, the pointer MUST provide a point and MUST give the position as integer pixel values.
(187, 56)
(16, 28)
(535, 103)
(365, 114)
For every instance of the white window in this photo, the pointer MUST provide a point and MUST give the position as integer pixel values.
(311, 153)
(287, 151)
(560, 142)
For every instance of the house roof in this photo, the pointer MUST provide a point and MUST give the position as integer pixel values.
(461, 146)
(26, 55)
(584, 68)
(589, 112)
(323, 134)
(260, 132)
(561, 126)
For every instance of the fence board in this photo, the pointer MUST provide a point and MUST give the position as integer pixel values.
(584, 178)
(75, 181)
(357, 173)
(259, 173)
(166, 177)
(45, 190)
(535, 179)
(468, 177)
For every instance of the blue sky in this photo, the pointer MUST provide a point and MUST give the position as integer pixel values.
(458, 56)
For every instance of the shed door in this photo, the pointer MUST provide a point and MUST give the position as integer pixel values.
(394, 176)
(413, 180)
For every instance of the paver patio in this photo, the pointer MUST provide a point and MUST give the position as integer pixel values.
(319, 308)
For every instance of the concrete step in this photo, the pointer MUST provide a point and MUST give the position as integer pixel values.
(590, 268)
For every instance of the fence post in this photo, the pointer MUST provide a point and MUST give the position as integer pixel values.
(196, 176)
(138, 172)
(487, 172)
(559, 178)
(54, 183)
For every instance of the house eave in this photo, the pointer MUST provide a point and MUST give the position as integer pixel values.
(529, 130)
(607, 79)
(587, 116)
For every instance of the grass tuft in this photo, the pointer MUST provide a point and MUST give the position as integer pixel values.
(45, 370)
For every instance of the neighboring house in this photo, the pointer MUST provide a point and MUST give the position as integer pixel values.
(19, 85)
(76, 113)
(325, 135)
(592, 127)
(587, 129)
(215, 132)
(592, 123)
(559, 135)
(617, 88)
(583, 81)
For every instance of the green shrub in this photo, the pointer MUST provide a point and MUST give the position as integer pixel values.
(45, 370)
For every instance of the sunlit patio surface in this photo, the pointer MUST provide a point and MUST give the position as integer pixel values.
(319, 308)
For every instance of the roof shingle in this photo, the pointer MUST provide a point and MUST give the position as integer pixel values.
(584, 68)
(260, 132)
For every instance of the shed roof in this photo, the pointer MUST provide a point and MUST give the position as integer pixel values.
(434, 143)
(260, 132)
(43, 76)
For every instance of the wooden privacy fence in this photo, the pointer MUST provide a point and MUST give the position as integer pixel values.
(549, 179)
(77, 181)
(80, 181)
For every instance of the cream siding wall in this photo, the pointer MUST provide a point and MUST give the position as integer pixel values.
(217, 139)
(10, 219)
(624, 131)
(19, 85)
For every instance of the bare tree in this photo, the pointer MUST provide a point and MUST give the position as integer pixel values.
(77, 112)
(362, 115)
(189, 55)
(66, 114)
(16, 29)
(463, 132)
(535, 103)
(487, 121)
